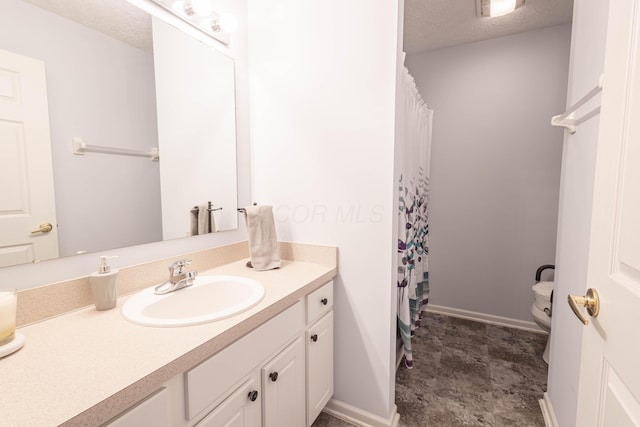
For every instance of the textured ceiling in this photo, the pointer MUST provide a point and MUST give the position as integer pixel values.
(116, 18)
(433, 24)
(428, 24)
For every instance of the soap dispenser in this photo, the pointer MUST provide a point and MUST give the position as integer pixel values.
(104, 285)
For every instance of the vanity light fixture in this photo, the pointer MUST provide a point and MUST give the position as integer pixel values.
(200, 14)
(202, 8)
(494, 8)
(226, 22)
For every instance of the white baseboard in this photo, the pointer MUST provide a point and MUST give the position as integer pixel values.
(359, 417)
(547, 411)
(530, 326)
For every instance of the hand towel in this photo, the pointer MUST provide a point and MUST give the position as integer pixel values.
(212, 223)
(263, 242)
(193, 221)
(203, 219)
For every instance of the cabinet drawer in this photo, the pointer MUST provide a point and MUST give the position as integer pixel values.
(319, 302)
(207, 383)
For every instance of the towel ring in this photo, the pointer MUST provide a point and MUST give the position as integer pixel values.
(243, 210)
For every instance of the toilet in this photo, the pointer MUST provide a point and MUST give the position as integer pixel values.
(541, 311)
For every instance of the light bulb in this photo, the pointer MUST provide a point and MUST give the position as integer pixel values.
(178, 7)
(228, 22)
(199, 7)
(501, 7)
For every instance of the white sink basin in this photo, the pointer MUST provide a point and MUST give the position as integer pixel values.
(209, 298)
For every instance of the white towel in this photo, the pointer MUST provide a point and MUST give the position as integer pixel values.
(193, 221)
(201, 221)
(263, 242)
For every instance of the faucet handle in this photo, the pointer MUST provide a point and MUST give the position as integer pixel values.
(178, 266)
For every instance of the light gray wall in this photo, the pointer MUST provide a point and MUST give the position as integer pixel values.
(102, 90)
(576, 195)
(495, 167)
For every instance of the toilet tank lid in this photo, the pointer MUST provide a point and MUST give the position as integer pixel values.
(543, 288)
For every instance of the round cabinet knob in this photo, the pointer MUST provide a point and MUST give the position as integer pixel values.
(314, 337)
(324, 301)
(273, 376)
(253, 395)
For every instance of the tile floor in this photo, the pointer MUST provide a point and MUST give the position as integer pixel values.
(468, 373)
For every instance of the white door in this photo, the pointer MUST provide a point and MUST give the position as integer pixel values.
(609, 393)
(26, 174)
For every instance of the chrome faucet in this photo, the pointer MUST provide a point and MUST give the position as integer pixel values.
(178, 278)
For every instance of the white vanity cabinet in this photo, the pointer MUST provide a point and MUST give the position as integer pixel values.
(214, 381)
(278, 375)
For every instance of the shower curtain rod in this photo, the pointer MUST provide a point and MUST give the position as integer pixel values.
(568, 120)
(80, 147)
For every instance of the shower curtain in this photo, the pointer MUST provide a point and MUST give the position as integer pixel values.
(413, 149)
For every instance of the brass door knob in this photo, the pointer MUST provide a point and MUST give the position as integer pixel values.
(591, 301)
(44, 228)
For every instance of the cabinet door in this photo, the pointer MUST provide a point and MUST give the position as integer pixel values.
(283, 383)
(242, 408)
(319, 366)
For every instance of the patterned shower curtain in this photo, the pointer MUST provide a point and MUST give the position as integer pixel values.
(413, 220)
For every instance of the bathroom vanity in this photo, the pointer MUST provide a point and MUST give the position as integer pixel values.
(271, 365)
(260, 380)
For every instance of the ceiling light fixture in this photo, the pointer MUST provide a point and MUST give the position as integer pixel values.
(201, 15)
(494, 8)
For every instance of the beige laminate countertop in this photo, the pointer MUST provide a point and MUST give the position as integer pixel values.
(84, 367)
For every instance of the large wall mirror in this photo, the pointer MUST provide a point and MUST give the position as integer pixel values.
(108, 74)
